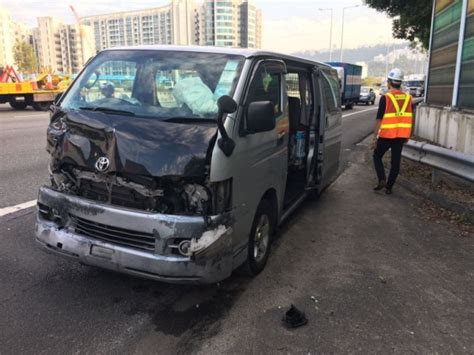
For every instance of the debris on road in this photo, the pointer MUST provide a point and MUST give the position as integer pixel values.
(294, 318)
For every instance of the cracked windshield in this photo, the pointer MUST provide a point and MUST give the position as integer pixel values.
(161, 85)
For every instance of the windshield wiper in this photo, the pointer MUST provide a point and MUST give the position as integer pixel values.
(189, 120)
(107, 110)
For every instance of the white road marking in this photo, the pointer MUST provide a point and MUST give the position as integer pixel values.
(32, 115)
(356, 113)
(8, 210)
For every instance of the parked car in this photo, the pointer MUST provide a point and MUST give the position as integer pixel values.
(187, 192)
(367, 96)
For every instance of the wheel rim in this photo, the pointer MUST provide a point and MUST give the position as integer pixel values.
(262, 238)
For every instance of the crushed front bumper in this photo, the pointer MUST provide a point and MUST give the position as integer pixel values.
(133, 242)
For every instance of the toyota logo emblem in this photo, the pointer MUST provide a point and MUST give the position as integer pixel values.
(102, 164)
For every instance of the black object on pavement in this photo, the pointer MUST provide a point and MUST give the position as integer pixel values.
(294, 318)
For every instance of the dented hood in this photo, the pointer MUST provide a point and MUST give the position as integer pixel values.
(133, 145)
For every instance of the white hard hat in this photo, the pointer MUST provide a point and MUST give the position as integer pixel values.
(395, 75)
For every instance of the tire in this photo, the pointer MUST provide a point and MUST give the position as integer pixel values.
(262, 230)
(18, 105)
(41, 106)
(349, 106)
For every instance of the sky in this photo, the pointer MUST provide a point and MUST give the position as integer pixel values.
(288, 26)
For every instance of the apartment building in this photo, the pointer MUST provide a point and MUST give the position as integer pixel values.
(10, 33)
(150, 26)
(231, 23)
(62, 47)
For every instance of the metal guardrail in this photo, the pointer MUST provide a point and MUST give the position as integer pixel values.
(449, 161)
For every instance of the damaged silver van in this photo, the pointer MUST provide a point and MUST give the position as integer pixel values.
(179, 163)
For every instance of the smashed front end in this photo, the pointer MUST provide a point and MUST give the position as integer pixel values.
(136, 197)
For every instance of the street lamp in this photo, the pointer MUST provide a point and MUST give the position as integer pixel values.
(330, 32)
(342, 31)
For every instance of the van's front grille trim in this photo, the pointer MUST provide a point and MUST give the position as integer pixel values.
(114, 235)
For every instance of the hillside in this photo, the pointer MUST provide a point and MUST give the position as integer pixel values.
(377, 58)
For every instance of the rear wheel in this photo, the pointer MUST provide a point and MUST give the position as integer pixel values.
(41, 106)
(349, 106)
(17, 105)
(260, 239)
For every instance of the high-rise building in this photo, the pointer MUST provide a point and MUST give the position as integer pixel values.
(230, 23)
(150, 26)
(11, 32)
(63, 48)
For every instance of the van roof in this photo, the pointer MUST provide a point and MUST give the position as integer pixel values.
(245, 52)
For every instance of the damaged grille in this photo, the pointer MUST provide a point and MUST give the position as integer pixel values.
(119, 196)
(114, 235)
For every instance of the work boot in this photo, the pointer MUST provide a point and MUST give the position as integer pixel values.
(388, 190)
(380, 185)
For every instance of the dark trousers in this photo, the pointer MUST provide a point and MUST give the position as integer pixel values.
(383, 145)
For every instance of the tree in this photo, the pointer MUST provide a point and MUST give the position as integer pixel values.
(25, 57)
(411, 19)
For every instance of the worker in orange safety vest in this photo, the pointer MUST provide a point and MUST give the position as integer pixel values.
(392, 129)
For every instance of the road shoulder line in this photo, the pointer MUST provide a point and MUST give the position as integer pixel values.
(12, 209)
(356, 113)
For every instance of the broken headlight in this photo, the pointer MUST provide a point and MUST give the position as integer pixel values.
(197, 197)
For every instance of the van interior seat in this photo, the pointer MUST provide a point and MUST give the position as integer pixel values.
(294, 113)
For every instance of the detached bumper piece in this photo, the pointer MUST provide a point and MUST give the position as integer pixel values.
(177, 249)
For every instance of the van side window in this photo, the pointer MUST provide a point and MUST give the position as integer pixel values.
(299, 94)
(266, 87)
(293, 85)
(331, 93)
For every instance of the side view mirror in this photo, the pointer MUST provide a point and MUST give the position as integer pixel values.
(260, 117)
(226, 105)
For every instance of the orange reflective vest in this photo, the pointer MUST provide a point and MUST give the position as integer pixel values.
(397, 121)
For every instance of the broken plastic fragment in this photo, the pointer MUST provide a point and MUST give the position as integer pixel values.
(207, 239)
(295, 318)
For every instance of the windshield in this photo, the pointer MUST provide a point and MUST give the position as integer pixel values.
(364, 90)
(156, 84)
(414, 83)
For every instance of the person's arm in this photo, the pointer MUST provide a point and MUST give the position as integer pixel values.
(379, 117)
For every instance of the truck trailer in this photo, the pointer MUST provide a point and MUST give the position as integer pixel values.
(350, 79)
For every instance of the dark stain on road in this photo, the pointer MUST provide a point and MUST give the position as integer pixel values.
(199, 316)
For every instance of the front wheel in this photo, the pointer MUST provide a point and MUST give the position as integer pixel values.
(260, 239)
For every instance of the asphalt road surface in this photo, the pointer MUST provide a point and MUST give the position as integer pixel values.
(398, 285)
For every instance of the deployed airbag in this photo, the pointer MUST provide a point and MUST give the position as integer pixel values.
(196, 95)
